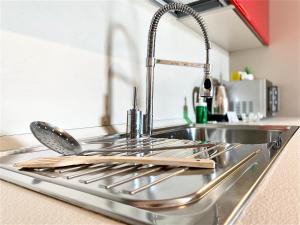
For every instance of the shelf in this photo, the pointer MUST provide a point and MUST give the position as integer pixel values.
(226, 28)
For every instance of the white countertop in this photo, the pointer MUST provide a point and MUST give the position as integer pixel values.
(275, 201)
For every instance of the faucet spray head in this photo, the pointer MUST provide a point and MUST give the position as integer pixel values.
(207, 85)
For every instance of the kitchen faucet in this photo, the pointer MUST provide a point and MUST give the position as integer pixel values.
(151, 60)
(207, 87)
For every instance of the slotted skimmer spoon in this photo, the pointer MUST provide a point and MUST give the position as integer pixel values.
(62, 142)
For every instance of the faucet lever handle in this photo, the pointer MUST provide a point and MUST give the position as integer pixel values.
(134, 98)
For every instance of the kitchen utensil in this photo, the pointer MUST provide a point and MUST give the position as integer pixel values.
(53, 162)
(55, 138)
(62, 142)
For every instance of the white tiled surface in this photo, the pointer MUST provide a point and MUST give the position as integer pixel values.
(56, 57)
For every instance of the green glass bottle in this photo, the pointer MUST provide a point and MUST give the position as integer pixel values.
(201, 112)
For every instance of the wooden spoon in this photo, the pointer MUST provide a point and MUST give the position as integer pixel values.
(53, 162)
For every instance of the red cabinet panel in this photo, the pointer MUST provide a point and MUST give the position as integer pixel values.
(256, 12)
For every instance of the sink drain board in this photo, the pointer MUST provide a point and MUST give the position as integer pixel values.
(149, 186)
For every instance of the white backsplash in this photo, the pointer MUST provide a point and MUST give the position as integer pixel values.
(55, 59)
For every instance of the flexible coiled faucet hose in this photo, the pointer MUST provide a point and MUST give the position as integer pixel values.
(177, 7)
(150, 61)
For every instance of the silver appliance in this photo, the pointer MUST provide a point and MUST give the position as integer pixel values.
(253, 96)
(220, 101)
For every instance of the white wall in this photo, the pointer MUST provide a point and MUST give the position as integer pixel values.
(280, 62)
(55, 59)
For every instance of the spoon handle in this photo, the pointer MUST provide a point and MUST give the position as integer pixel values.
(53, 162)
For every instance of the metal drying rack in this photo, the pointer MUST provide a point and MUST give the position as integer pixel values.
(167, 147)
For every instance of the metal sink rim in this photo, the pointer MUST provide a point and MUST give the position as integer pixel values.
(143, 214)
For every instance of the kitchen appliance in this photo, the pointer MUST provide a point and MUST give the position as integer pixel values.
(258, 97)
(220, 101)
(218, 105)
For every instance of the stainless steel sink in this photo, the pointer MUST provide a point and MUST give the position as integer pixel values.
(163, 195)
(226, 134)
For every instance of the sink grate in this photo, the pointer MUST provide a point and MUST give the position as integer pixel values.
(117, 174)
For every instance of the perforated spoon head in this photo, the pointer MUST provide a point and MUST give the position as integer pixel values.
(55, 138)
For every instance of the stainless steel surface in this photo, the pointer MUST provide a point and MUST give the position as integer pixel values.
(220, 101)
(225, 135)
(55, 138)
(207, 87)
(142, 194)
(249, 96)
(180, 63)
(134, 127)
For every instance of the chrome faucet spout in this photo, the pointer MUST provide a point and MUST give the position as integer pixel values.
(151, 61)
